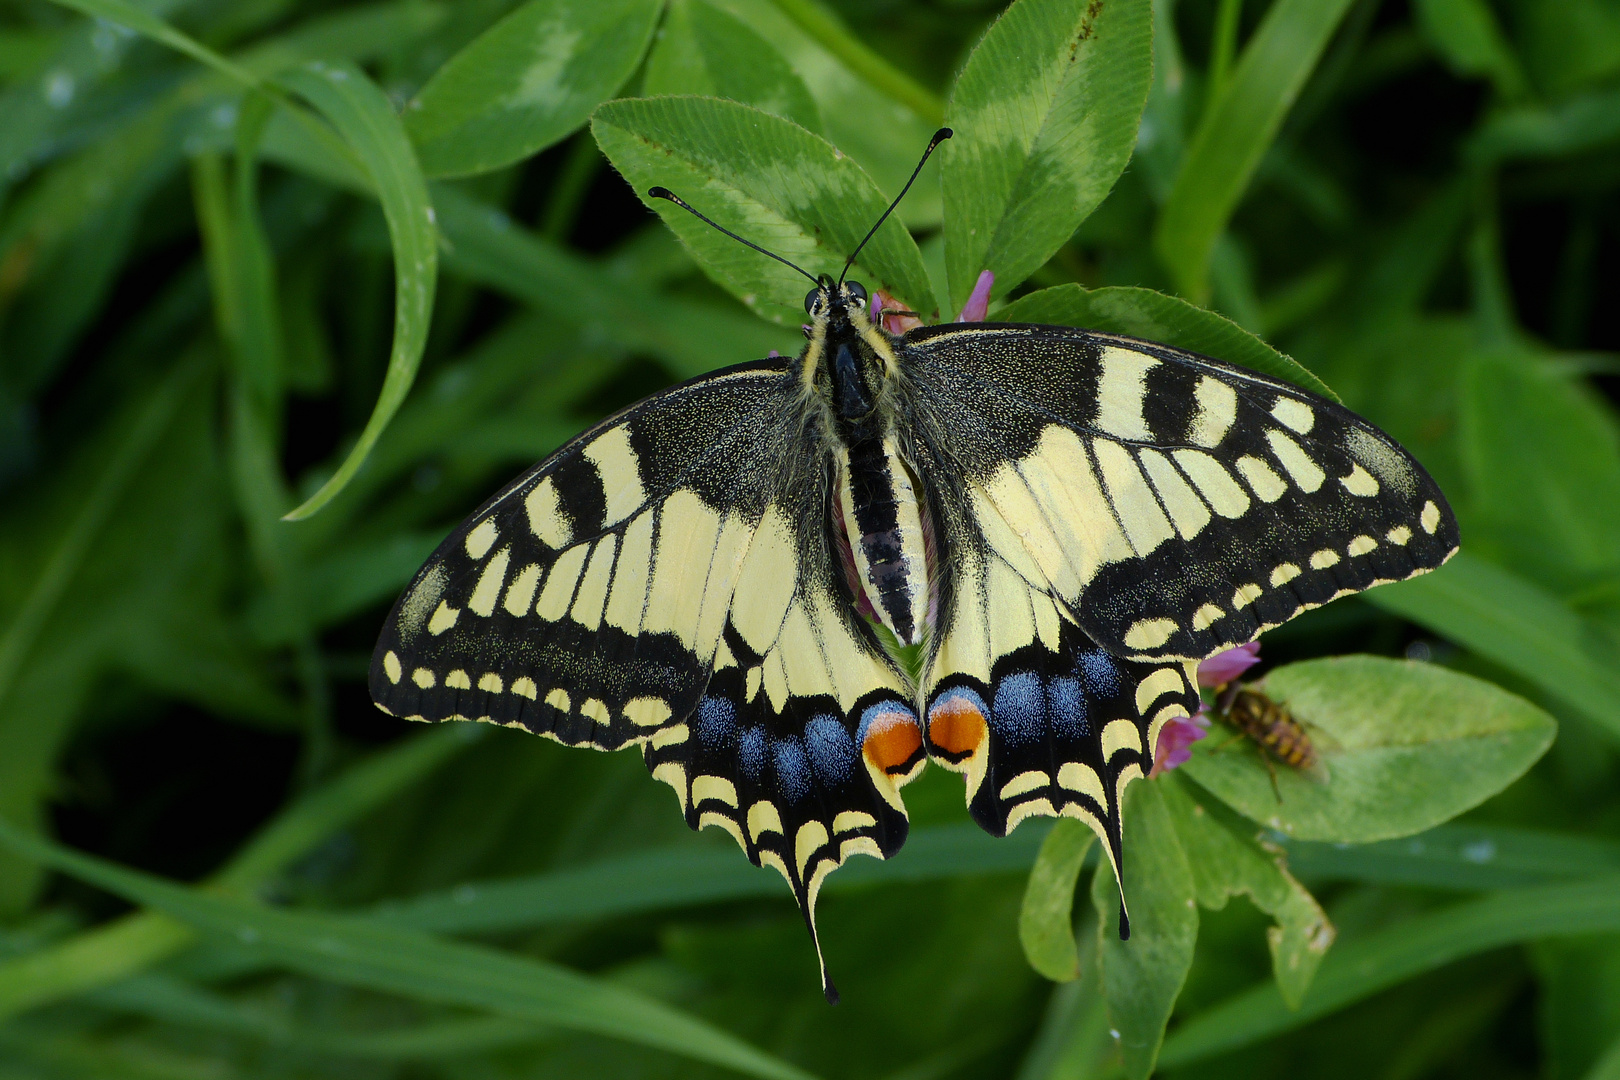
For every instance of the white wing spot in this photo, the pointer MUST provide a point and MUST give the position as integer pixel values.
(391, 666)
(1399, 535)
(1024, 783)
(1206, 616)
(811, 838)
(1262, 481)
(1246, 595)
(673, 735)
(1361, 545)
(1304, 472)
(1217, 410)
(1149, 633)
(1224, 495)
(616, 464)
(481, 539)
(488, 589)
(424, 678)
(1430, 519)
(520, 595)
(850, 820)
(558, 699)
(1120, 389)
(596, 710)
(458, 680)
(646, 711)
(1284, 574)
(524, 687)
(1294, 414)
(491, 683)
(1323, 559)
(444, 617)
(763, 817)
(1360, 482)
(546, 517)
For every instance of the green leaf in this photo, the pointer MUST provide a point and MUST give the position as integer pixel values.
(132, 943)
(1517, 624)
(527, 82)
(1358, 969)
(1046, 920)
(356, 952)
(1467, 35)
(1153, 316)
(1235, 132)
(697, 52)
(1226, 861)
(1045, 114)
(1403, 746)
(363, 116)
(1542, 455)
(1142, 977)
(766, 179)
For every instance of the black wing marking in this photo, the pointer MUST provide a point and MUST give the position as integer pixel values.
(1178, 505)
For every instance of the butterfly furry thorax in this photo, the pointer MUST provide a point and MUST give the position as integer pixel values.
(1064, 522)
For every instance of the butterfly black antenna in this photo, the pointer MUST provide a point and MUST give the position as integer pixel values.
(665, 193)
(939, 136)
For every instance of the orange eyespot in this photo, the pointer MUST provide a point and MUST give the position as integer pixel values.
(890, 739)
(956, 723)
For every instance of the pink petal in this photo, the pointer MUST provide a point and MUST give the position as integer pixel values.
(1223, 667)
(978, 303)
(1175, 741)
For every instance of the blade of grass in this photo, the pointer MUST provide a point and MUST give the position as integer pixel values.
(659, 880)
(1461, 857)
(149, 423)
(364, 116)
(1512, 622)
(358, 952)
(828, 31)
(143, 21)
(1358, 969)
(129, 944)
(1236, 129)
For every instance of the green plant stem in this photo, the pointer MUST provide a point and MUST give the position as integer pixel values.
(830, 33)
(1223, 49)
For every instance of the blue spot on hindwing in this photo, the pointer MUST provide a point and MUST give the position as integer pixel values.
(1066, 706)
(716, 723)
(832, 751)
(751, 753)
(1020, 709)
(792, 769)
(1099, 672)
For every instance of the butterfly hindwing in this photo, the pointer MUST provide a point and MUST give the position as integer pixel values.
(1042, 721)
(1176, 504)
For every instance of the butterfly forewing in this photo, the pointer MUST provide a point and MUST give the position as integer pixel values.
(1176, 505)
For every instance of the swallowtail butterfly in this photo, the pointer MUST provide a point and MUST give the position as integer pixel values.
(1064, 522)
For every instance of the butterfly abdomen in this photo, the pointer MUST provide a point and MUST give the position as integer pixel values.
(884, 523)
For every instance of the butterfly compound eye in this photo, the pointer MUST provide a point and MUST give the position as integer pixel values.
(810, 300)
(857, 292)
